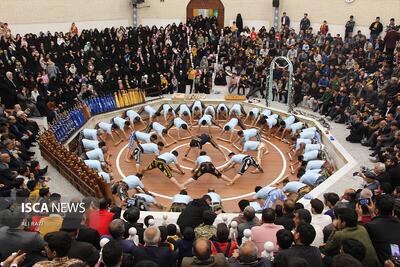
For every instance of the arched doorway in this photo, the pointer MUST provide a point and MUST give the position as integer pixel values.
(207, 8)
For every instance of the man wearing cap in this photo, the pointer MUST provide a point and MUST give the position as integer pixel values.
(80, 250)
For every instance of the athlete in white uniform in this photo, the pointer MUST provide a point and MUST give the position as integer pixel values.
(183, 112)
(167, 111)
(149, 148)
(222, 112)
(92, 134)
(206, 120)
(134, 117)
(180, 124)
(304, 158)
(161, 130)
(94, 164)
(91, 144)
(236, 111)
(122, 123)
(151, 112)
(285, 124)
(230, 127)
(110, 129)
(264, 114)
(210, 110)
(138, 138)
(204, 165)
(258, 146)
(252, 115)
(246, 135)
(162, 163)
(130, 182)
(197, 109)
(180, 201)
(245, 162)
(270, 122)
(97, 154)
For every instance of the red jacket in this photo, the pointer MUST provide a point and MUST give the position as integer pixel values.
(223, 248)
(99, 220)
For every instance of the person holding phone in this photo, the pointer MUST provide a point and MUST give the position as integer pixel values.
(384, 229)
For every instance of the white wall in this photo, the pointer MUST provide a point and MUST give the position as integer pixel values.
(36, 15)
(56, 15)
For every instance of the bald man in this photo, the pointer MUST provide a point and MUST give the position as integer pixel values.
(202, 255)
(248, 256)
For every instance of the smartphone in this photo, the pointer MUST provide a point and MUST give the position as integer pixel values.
(395, 253)
(364, 201)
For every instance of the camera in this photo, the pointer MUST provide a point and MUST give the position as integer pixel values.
(363, 169)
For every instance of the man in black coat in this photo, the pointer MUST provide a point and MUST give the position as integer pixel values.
(305, 23)
(376, 28)
(384, 229)
(192, 215)
(152, 252)
(356, 131)
(9, 91)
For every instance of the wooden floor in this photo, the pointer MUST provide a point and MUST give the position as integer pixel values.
(275, 165)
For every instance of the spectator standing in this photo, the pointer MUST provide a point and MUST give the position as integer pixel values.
(349, 27)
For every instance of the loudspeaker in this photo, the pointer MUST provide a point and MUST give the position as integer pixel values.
(275, 3)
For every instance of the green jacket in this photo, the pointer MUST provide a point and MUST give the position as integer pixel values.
(327, 96)
(359, 233)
